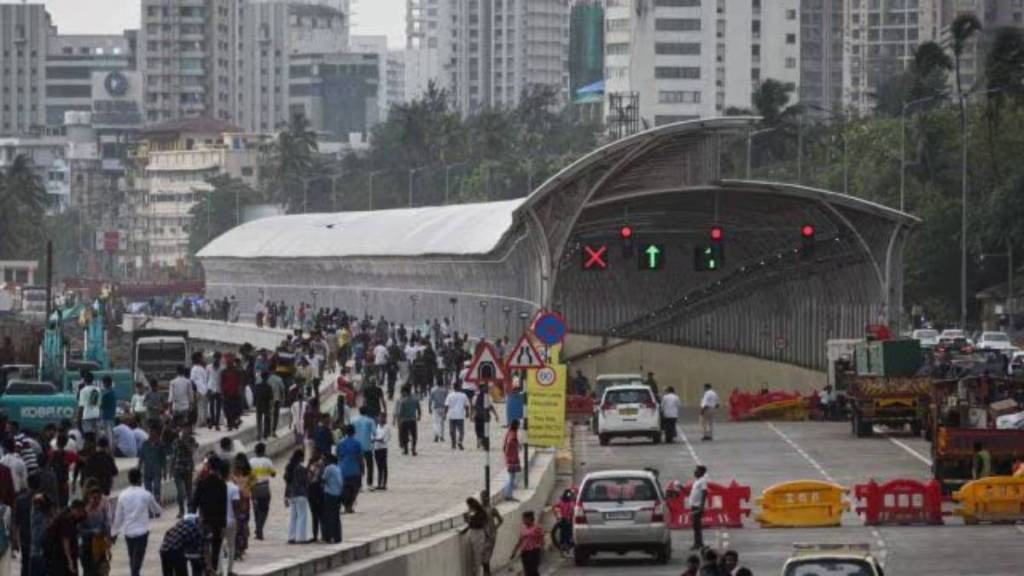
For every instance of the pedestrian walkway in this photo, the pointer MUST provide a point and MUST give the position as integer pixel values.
(436, 482)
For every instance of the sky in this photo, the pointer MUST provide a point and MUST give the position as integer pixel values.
(114, 16)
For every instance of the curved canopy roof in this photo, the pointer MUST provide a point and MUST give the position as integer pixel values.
(458, 230)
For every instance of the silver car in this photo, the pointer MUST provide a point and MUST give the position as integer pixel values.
(621, 511)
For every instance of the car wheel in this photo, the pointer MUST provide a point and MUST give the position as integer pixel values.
(603, 439)
(580, 556)
(665, 554)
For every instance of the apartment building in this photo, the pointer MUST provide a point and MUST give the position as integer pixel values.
(673, 60)
(25, 31)
(71, 63)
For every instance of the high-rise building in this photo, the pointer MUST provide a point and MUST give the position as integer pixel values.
(377, 45)
(338, 93)
(25, 31)
(71, 62)
(822, 55)
(228, 59)
(395, 78)
(586, 45)
(487, 52)
(672, 60)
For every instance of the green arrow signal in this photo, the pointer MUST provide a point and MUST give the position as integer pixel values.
(652, 256)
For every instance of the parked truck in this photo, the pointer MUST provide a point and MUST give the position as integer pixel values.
(156, 354)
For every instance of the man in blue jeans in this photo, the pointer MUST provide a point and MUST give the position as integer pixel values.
(333, 487)
(350, 460)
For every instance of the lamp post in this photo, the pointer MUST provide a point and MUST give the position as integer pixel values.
(453, 301)
(414, 298)
(366, 297)
(483, 319)
(447, 176)
(507, 311)
(903, 145)
(372, 174)
(523, 317)
(846, 147)
(750, 144)
(314, 294)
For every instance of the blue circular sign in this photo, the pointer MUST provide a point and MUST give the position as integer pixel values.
(549, 328)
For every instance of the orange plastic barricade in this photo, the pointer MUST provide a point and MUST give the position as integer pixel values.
(750, 405)
(992, 499)
(901, 501)
(802, 504)
(725, 505)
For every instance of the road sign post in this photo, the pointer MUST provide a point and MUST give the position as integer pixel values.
(486, 368)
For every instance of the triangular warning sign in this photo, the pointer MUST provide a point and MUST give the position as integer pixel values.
(486, 365)
(524, 356)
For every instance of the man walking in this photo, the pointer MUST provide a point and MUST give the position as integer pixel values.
(211, 500)
(456, 405)
(180, 396)
(333, 487)
(134, 508)
(279, 391)
(365, 427)
(198, 377)
(407, 416)
(213, 392)
(262, 471)
(697, 498)
(263, 397)
(708, 405)
(669, 414)
(350, 460)
(436, 407)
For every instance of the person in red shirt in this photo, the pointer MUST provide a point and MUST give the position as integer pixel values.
(531, 540)
(232, 388)
(511, 452)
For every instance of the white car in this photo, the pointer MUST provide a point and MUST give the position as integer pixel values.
(997, 341)
(626, 411)
(927, 337)
(953, 334)
(1016, 366)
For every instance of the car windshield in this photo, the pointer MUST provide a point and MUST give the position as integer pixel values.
(829, 568)
(995, 337)
(922, 334)
(170, 352)
(619, 490)
(635, 396)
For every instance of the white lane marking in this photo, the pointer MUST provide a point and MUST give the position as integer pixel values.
(810, 460)
(689, 446)
(912, 452)
(883, 551)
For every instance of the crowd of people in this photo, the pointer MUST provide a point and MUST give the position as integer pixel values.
(57, 510)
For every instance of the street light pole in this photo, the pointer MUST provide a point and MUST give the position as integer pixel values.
(483, 319)
(963, 214)
(800, 148)
(903, 158)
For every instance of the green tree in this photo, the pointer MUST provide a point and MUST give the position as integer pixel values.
(218, 210)
(24, 200)
(292, 162)
(771, 99)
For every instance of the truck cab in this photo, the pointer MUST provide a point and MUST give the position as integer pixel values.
(158, 353)
(34, 404)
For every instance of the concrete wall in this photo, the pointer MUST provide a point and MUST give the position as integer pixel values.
(448, 554)
(210, 331)
(687, 369)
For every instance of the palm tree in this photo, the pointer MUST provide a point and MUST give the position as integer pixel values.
(293, 162)
(962, 29)
(24, 198)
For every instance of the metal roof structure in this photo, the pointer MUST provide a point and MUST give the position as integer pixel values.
(458, 230)
(485, 264)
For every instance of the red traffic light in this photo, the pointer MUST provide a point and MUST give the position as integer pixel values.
(716, 233)
(807, 230)
(626, 232)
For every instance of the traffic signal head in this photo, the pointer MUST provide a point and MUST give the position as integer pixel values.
(807, 241)
(717, 233)
(708, 258)
(626, 235)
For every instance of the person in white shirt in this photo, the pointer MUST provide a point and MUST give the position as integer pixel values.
(12, 459)
(298, 414)
(708, 405)
(199, 379)
(125, 441)
(696, 502)
(89, 405)
(381, 437)
(380, 362)
(227, 560)
(134, 508)
(139, 402)
(669, 414)
(180, 396)
(456, 407)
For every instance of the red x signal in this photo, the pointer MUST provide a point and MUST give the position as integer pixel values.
(594, 257)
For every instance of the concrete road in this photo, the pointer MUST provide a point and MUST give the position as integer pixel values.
(760, 454)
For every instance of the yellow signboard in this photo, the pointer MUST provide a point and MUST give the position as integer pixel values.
(545, 408)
